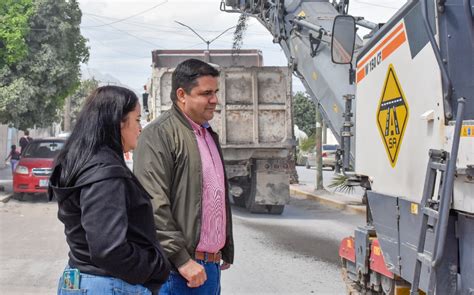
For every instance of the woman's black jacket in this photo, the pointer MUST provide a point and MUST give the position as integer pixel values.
(108, 222)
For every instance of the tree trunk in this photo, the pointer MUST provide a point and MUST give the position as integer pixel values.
(67, 114)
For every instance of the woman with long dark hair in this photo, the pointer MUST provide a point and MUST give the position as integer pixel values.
(107, 215)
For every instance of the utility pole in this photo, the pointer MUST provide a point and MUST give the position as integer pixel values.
(325, 132)
(319, 148)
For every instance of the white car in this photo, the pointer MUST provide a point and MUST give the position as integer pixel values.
(328, 155)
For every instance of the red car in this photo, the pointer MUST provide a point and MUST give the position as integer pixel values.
(35, 166)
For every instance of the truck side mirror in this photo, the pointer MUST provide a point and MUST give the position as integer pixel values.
(343, 39)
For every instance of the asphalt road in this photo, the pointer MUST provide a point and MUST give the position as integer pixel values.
(295, 253)
(32, 247)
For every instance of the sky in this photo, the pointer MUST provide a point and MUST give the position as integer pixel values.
(122, 33)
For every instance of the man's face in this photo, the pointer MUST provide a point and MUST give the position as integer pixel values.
(199, 105)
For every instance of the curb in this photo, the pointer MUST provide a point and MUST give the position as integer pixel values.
(358, 209)
(4, 198)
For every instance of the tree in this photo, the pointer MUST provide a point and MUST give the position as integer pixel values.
(304, 112)
(76, 100)
(308, 143)
(14, 15)
(33, 89)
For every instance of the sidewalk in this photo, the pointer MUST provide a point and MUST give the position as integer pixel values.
(345, 202)
(6, 185)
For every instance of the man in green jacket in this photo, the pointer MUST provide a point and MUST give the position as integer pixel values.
(179, 162)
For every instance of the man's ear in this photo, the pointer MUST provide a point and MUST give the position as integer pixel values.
(180, 94)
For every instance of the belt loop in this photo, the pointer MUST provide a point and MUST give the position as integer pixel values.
(206, 257)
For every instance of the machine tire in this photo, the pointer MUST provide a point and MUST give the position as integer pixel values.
(308, 166)
(351, 287)
(388, 285)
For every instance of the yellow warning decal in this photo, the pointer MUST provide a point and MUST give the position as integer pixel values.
(414, 208)
(467, 131)
(392, 115)
(377, 251)
(302, 14)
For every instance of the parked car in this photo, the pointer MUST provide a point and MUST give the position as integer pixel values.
(35, 166)
(301, 157)
(328, 155)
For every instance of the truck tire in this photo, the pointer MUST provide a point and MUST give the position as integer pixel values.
(240, 201)
(276, 209)
(266, 209)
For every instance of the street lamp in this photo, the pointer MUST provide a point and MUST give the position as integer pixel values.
(208, 42)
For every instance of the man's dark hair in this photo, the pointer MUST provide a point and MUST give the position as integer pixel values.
(26, 132)
(98, 125)
(186, 74)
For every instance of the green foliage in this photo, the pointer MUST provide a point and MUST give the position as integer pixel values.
(79, 96)
(32, 90)
(304, 113)
(341, 183)
(308, 143)
(14, 16)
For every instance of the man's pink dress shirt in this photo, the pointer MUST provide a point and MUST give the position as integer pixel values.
(213, 222)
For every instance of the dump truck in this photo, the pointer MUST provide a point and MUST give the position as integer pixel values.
(253, 119)
(402, 105)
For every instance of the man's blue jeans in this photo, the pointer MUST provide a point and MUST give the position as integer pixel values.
(177, 285)
(92, 284)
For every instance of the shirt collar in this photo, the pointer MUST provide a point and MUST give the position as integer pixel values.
(199, 129)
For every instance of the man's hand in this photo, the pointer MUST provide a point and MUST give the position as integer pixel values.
(194, 273)
(225, 265)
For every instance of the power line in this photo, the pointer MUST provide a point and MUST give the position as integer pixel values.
(129, 17)
(154, 27)
(377, 5)
(184, 31)
(102, 44)
(150, 30)
(184, 40)
(134, 36)
(192, 46)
